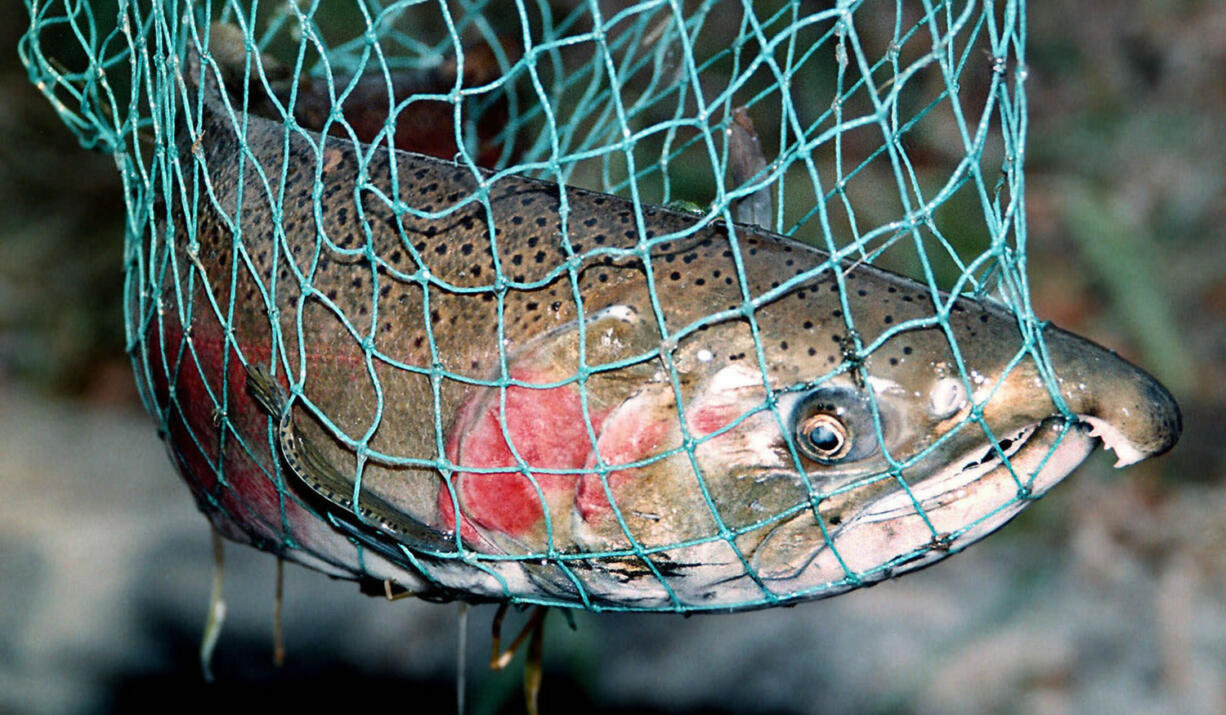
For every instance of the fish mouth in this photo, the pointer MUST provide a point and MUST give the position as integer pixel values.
(949, 503)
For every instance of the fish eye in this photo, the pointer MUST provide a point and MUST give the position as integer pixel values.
(834, 425)
(822, 437)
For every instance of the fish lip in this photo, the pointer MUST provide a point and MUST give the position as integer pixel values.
(973, 465)
(1039, 457)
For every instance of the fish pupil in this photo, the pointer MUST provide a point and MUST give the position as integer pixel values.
(825, 439)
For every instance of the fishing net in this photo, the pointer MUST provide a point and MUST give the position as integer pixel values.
(885, 132)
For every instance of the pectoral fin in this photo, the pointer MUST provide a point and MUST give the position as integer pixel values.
(336, 487)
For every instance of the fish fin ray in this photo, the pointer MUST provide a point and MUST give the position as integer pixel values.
(309, 464)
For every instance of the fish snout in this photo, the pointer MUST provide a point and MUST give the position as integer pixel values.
(1126, 408)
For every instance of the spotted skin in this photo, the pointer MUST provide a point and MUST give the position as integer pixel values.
(394, 291)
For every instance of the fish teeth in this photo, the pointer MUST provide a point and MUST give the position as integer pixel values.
(1112, 439)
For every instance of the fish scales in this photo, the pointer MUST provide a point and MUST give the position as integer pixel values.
(334, 262)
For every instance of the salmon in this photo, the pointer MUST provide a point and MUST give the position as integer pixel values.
(393, 367)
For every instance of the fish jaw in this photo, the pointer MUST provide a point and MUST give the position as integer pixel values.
(1129, 411)
(952, 506)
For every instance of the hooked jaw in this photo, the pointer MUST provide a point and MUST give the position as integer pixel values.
(1129, 411)
(969, 486)
(1126, 408)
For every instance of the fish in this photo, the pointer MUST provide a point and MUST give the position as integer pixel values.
(401, 370)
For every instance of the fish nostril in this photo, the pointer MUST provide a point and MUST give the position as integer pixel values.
(947, 397)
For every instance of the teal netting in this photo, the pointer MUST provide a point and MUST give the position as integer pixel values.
(626, 407)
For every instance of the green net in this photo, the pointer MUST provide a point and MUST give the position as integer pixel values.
(463, 374)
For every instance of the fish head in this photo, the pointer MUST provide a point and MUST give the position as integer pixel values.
(800, 466)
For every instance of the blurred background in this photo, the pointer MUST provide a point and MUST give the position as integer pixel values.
(1108, 595)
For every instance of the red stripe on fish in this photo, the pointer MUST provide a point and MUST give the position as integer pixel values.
(705, 419)
(546, 426)
(628, 436)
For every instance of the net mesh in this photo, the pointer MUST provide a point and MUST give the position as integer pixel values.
(884, 132)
